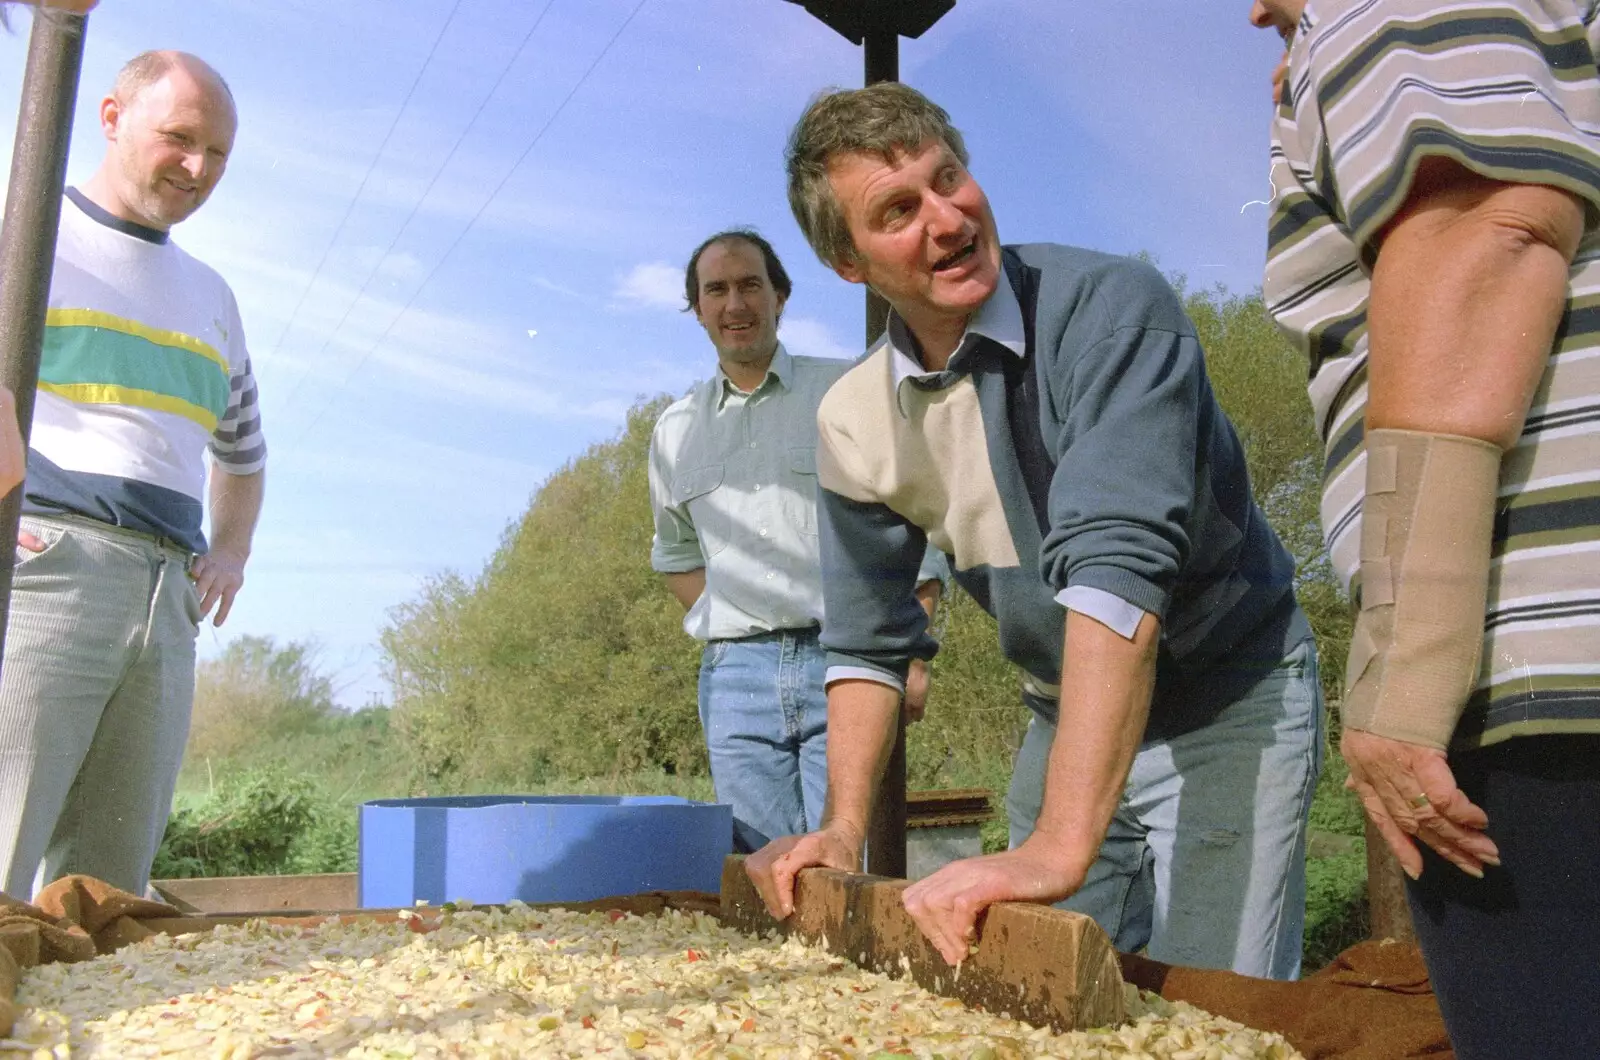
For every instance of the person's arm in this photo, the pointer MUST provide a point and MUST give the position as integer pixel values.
(235, 508)
(1468, 287)
(1106, 686)
(686, 586)
(874, 628)
(863, 717)
(675, 549)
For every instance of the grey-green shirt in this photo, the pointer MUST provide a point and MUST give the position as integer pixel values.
(733, 486)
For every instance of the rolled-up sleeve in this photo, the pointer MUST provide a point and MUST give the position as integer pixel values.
(1124, 489)
(675, 548)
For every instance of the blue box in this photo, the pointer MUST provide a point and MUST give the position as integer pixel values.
(538, 848)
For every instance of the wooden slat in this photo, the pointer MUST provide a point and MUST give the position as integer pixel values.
(1033, 963)
(328, 892)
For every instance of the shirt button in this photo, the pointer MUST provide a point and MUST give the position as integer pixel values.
(770, 576)
(763, 531)
(758, 487)
(752, 445)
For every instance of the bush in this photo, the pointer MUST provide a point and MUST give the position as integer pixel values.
(255, 691)
(1336, 907)
(262, 822)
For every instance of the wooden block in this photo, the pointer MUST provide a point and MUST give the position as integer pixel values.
(1034, 963)
(261, 894)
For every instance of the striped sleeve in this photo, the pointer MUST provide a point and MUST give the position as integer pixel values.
(1506, 88)
(238, 445)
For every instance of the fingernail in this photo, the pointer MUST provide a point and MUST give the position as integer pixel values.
(1415, 874)
(1490, 859)
(1473, 870)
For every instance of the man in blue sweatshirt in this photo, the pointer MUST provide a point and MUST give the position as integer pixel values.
(1042, 414)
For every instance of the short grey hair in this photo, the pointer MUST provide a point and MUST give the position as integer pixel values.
(881, 120)
(146, 68)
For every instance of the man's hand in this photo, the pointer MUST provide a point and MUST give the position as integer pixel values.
(1389, 776)
(773, 868)
(31, 542)
(918, 678)
(217, 577)
(947, 904)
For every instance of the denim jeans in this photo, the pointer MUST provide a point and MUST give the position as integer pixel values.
(765, 715)
(1204, 864)
(95, 702)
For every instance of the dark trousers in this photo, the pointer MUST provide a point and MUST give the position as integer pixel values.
(1515, 957)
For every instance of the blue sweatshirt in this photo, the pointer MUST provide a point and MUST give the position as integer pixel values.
(1072, 446)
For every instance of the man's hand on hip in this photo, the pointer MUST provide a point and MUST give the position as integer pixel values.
(773, 868)
(217, 575)
(946, 905)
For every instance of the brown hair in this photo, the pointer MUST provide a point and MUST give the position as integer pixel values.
(881, 119)
(775, 271)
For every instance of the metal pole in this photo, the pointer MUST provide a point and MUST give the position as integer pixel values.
(881, 49)
(28, 232)
(886, 833)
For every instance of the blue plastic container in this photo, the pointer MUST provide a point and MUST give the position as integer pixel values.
(564, 848)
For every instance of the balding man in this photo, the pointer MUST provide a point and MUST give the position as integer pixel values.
(144, 370)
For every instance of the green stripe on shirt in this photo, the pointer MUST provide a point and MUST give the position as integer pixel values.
(97, 365)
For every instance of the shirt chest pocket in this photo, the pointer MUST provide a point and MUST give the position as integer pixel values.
(800, 491)
(699, 492)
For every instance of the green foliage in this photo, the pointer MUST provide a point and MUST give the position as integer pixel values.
(256, 691)
(1336, 906)
(265, 821)
(566, 655)
(1260, 382)
(1334, 809)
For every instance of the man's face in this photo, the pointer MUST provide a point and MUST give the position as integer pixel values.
(169, 145)
(736, 302)
(924, 235)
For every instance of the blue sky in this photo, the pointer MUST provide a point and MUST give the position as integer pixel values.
(422, 373)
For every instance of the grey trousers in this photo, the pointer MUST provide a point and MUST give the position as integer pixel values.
(96, 688)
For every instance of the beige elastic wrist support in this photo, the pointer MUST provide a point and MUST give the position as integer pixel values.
(1426, 529)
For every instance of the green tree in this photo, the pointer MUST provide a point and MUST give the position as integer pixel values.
(253, 692)
(565, 656)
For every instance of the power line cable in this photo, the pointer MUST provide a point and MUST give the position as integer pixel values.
(417, 206)
(365, 177)
(473, 222)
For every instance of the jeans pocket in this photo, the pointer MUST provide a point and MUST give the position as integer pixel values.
(713, 654)
(50, 534)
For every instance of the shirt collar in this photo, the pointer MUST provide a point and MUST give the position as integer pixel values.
(780, 373)
(998, 319)
(100, 214)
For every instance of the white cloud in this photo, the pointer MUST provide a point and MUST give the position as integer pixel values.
(812, 338)
(654, 284)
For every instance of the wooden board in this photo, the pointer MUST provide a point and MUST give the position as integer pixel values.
(1034, 963)
(328, 892)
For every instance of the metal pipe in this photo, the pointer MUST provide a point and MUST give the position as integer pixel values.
(886, 832)
(28, 232)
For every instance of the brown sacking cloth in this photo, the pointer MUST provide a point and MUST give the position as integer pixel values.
(73, 919)
(1374, 1002)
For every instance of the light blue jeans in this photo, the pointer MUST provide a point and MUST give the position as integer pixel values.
(1204, 864)
(765, 715)
(95, 701)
